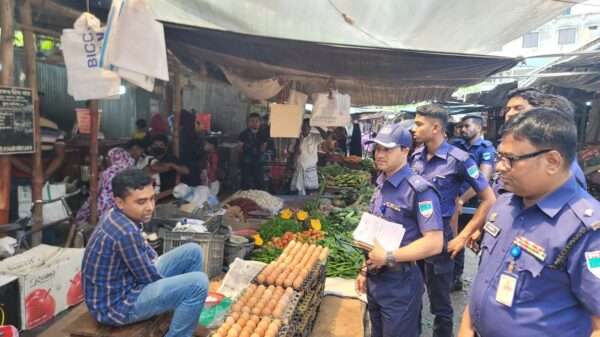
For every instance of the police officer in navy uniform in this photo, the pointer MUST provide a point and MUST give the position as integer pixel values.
(482, 151)
(539, 273)
(524, 99)
(394, 284)
(447, 168)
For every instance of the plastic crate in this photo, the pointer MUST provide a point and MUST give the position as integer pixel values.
(213, 246)
(233, 250)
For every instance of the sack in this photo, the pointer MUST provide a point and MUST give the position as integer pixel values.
(81, 50)
(49, 192)
(331, 112)
(54, 211)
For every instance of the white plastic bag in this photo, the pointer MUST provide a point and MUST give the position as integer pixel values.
(49, 192)
(81, 51)
(331, 112)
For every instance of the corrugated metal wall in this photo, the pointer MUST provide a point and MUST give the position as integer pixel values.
(227, 105)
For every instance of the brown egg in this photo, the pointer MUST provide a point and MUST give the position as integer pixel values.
(277, 323)
(262, 325)
(248, 329)
(261, 278)
(232, 333)
(267, 294)
(237, 327)
(255, 319)
(266, 311)
(222, 331)
(252, 302)
(250, 325)
(242, 322)
(255, 335)
(245, 316)
(277, 312)
(297, 283)
(236, 307)
(261, 288)
(260, 331)
(244, 334)
(256, 311)
(271, 279)
(235, 315)
(288, 281)
(260, 305)
(270, 333)
(246, 309)
(230, 320)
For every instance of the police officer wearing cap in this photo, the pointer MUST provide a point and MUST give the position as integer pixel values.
(394, 284)
(482, 151)
(447, 168)
(539, 273)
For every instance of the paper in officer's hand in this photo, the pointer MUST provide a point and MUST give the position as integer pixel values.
(389, 234)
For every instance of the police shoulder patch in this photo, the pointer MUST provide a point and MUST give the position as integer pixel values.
(487, 156)
(426, 208)
(593, 262)
(473, 171)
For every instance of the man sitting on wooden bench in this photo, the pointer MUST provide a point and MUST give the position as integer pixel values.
(123, 280)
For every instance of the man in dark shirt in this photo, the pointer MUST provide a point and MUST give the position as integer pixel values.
(124, 281)
(251, 146)
(169, 165)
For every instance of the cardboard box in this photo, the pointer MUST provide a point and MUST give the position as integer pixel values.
(49, 282)
(10, 308)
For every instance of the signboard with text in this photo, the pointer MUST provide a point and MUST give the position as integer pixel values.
(16, 120)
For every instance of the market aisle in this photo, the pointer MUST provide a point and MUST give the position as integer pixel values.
(459, 299)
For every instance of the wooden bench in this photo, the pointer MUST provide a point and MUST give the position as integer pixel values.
(86, 326)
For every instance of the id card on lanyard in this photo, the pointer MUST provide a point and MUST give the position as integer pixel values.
(507, 285)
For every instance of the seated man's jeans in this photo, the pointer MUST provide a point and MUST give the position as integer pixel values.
(184, 290)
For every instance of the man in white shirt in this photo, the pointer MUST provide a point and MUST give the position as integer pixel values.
(305, 176)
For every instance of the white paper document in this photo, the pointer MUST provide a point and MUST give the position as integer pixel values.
(389, 234)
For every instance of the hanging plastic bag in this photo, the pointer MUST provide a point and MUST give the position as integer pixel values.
(81, 51)
(331, 111)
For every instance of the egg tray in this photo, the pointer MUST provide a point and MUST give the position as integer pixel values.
(305, 327)
(310, 300)
(308, 281)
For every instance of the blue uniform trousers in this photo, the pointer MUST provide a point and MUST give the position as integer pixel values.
(395, 302)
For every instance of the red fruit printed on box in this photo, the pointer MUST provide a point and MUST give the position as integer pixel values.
(39, 306)
(75, 293)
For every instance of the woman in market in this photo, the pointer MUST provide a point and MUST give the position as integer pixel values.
(120, 160)
(391, 279)
(305, 176)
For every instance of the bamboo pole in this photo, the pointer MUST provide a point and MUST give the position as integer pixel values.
(93, 162)
(176, 112)
(37, 180)
(7, 11)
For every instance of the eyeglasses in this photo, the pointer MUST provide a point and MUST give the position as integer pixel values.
(508, 161)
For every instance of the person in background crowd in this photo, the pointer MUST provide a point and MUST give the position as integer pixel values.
(539, 273)
(305, 176)
(143, 161)
(447, 168)
(356, 140)
(158, 125)
(190, 148)
(212, 168)
(482, 151)
(124, 281)
(251, 147)
(168, 165)
(524, 99)
(340, 135)
(140, 129)
(120, 160)
(393, 283)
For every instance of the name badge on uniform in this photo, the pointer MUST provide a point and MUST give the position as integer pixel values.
(506, 288)
(491, 228)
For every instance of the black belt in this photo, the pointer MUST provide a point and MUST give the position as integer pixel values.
(401, 266)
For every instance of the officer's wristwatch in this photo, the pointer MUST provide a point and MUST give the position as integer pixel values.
(389, 259)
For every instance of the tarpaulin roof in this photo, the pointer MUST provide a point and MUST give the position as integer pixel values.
(371, 75)
(462, 26)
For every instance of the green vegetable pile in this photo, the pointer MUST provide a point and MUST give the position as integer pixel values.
(330, 170)
(277, 227)
(344, 260)
(266, 254)
(368, 164)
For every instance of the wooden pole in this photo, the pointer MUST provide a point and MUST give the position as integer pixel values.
(37, 179)
(51, 7)
(7, 11)
(176, 112)
(93, 162)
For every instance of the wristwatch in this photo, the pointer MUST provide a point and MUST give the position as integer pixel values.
(389, 259)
